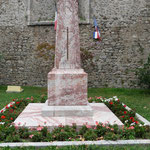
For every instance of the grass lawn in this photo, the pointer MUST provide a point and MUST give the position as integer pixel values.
(5, 98)
(134, 98)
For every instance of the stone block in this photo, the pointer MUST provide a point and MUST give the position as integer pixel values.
(67, 87)
(14, 89)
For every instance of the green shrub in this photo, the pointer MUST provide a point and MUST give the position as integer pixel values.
(37, 137)
(83, 130)
(111, 136)
(127, 134)
(13, 138)
(144, 74)
(139, 132)
(90, 135)
(100, 130)
(64, 133)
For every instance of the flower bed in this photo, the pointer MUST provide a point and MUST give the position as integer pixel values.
(133, 129)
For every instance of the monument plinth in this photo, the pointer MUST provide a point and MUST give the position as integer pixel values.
(67, 82)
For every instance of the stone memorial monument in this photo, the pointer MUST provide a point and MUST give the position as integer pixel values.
(67, 82)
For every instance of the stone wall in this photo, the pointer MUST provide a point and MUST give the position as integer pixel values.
(125, 45)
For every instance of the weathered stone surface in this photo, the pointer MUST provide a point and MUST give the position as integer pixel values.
(125, 30)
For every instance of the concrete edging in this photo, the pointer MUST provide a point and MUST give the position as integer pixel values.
(77, 143)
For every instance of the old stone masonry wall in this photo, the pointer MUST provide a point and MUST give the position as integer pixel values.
(27, 41)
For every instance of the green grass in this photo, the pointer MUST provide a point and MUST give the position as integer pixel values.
(128, 147)
(5, 98)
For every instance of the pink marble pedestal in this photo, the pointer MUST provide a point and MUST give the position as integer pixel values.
(67, 87)
(32, 117)
(67, 94)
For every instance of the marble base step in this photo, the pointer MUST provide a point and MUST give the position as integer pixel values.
(67, 111)
(32, 117)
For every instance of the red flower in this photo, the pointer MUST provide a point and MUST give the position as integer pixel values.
(17, 102)
(11, 118)
(122, 116)
(131, 118)
(2, 111)
(7, 107)
(110, 103)
(3, 117)
(136, 122)
(125, 112)
(11, 105)
(124, 106)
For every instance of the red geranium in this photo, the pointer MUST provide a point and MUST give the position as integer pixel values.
(125, 112)
(110, 103)
(3, 117)
(131, 118)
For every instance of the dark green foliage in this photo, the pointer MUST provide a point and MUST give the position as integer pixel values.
(100, 130)
(64, 133)
(90, 135)
(144, 74)
(127, 134)
(111, 136)
(140, 132)
(83, 130)
(37, 137)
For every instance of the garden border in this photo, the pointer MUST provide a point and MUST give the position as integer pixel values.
(77, 143)
(145, 121)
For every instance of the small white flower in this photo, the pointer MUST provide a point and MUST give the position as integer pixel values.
(132, 124)
(114, 96)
